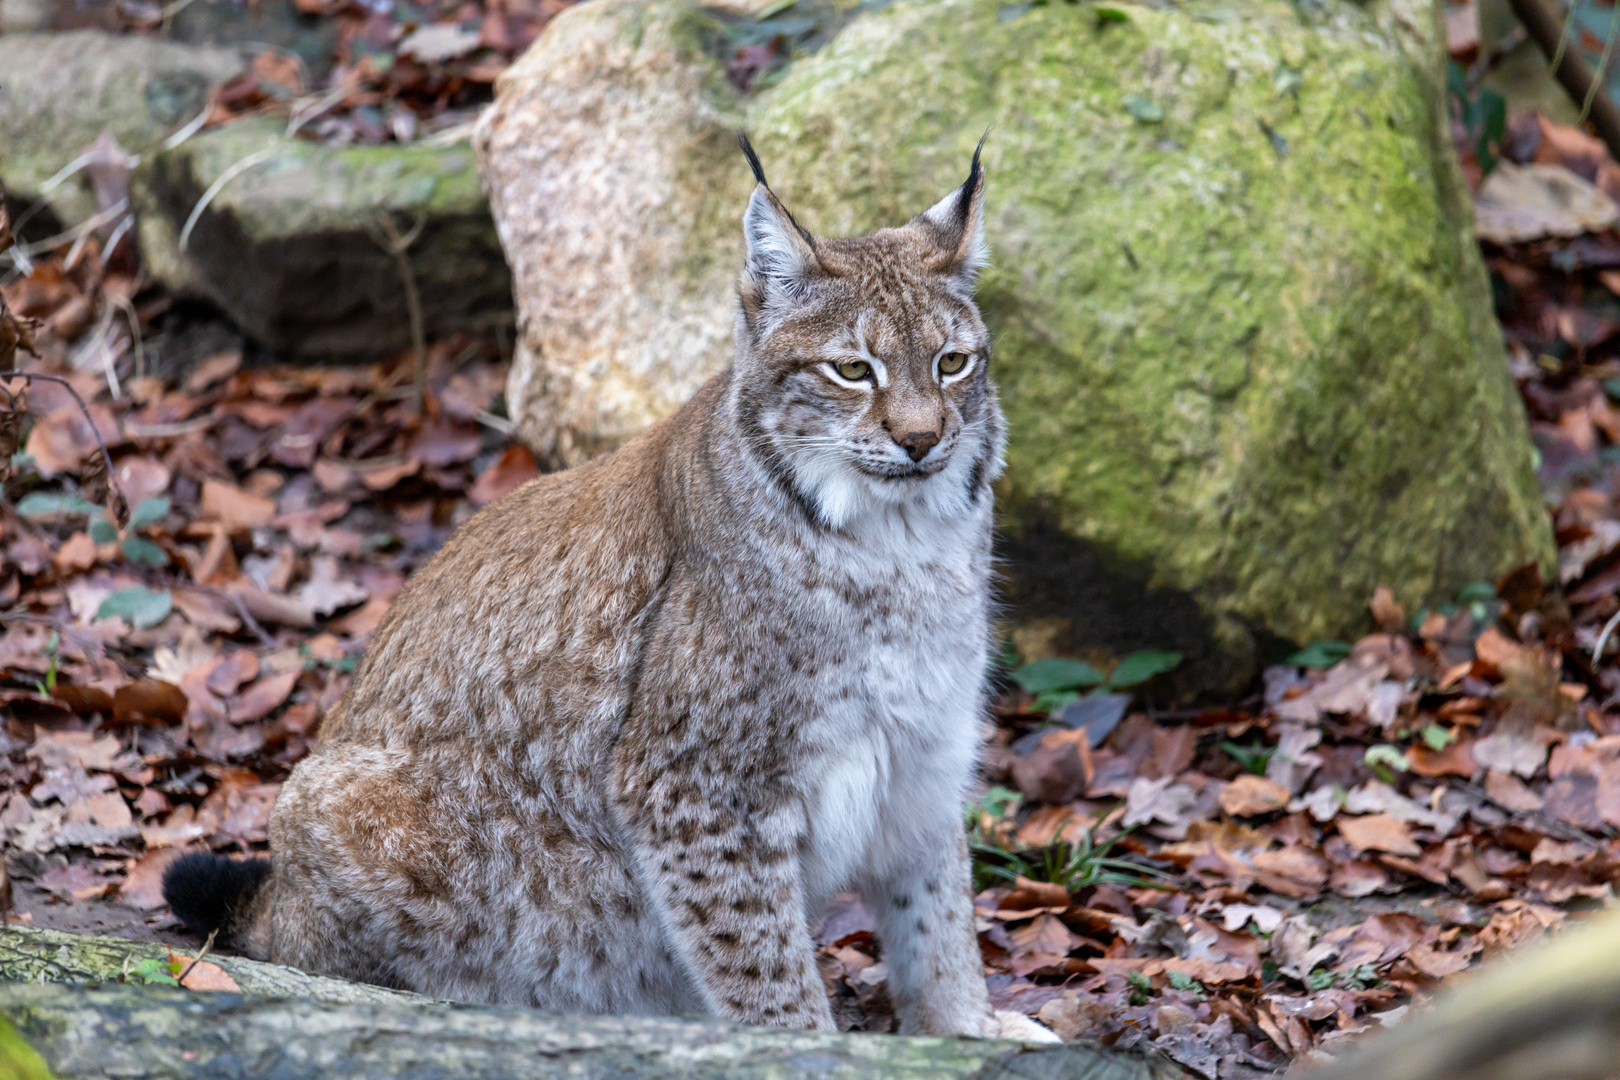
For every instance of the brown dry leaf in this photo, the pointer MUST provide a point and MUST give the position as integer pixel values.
(262, 698)
(1044, 934)
(149, 702)
(1439, 964)
(77, 553)
(1058, 769)
(141, 478)
(107, 810)
(1496, 649)
(512, 469)
(81, 748)
(1515, 923)
(1377, 832)
(1511, 793)
(1249, 795)
(201, 975)
(1456, 759)
(1390, 616)
(1382, 938)
(1049, 824)
(143, 888)
(326, 591)
(84, 700)
(1167, 807)
(213, 369)
(268, 607)
(1509, 752)
(1358, 877)
(1519, 203)
(228, 676)
(234, 508)
(1044, 893)
(1291, 871)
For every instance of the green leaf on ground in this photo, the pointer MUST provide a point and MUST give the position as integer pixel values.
(1139, 667)
(140, 550)
(1059, 673)
(138, 606)
(40, 504)
(149, 512)
(1320, 654)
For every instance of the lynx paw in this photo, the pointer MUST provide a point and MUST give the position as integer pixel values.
(1015, 1025)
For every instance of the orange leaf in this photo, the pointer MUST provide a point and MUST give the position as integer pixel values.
(203, 975)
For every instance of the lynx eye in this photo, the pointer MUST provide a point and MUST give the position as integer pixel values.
(952, 363)
(854, 370)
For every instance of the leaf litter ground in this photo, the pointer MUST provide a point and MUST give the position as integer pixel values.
(1236, 887)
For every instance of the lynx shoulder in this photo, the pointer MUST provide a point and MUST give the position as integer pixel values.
(619, 742)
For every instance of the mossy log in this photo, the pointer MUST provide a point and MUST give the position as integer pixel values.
(286, 1023)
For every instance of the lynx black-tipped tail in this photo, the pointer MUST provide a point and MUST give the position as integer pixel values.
(211, 893)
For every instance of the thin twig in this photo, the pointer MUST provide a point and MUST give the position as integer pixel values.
(397, 246)
(1603, 61)
(1603, 638)
(207, 944)
(122, 304)
(247, 617)
(1542, 24)
(112, 481)
(236, 169)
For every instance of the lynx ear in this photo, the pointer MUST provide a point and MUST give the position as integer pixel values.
(957, 222)
(780, 256)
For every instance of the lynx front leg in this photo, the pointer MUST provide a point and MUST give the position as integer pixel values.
(726, 883)
(925, 921)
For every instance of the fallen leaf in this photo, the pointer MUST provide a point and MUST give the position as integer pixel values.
(143, 887)
(237, 510)
(201, 975)
(148, 702)
(1058, 769)
(512, 469)
(1249, 795)
(1519, 203)
(77, 553)
(326, 592)
(1378, 832)
(262, 698)
(1164, 802)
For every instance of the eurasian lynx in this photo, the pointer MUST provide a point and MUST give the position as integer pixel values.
(616, 746)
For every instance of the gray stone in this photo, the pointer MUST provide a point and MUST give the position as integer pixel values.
(59, 92)
(289, 247)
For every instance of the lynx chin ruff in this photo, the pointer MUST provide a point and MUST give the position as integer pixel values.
(616, 746)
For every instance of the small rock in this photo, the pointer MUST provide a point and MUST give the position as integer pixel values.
(59, 92)
(292, 247)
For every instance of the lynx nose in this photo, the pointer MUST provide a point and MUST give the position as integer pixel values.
(918, 443)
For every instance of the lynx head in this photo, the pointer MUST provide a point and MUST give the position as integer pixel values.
(862, 371)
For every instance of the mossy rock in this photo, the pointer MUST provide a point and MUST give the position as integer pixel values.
(1243, 333)
(291, 245)
(59, 92)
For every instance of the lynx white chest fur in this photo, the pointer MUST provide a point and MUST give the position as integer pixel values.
(616, 746)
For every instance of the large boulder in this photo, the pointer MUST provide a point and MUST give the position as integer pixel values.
(59, 92)
(292, 245)
(1244, 336)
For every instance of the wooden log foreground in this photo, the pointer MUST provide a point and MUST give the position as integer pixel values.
(71, 1008)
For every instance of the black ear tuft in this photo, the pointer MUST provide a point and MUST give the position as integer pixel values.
(759, 170)
(970, 190)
